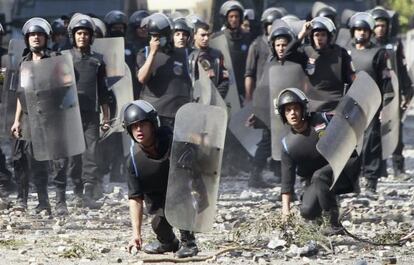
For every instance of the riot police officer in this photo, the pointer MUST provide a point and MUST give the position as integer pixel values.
(148, 180)
(139, 33)
(210, 59)
(59, 36)
(259, 51)
(37, 32)
(300, 156)
(238, 41)
(93, 99)
(329, 66)
(368, 57)
(181, 33)
(396, 53)
(163, 71)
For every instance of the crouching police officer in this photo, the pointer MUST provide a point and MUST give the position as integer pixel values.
(300, 156)
(148, 169)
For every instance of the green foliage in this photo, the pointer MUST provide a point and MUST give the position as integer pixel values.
(405, 8)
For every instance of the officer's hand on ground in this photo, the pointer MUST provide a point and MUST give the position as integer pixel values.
(135, 244)
(251, 121)
(16, 130)
(154, 44)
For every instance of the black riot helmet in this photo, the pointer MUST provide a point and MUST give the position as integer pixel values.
(100, 28)
(279, 29)
(158, 24)
(139, 110)
(380, 13)
(320, 9)
(323, 24)
(291, 95)
(361, 20)
(271, 14)
(115, 17)
(81, 21)
(228, 6)
(38, 25)
(180, 24)
(136, 18)
(58, 26)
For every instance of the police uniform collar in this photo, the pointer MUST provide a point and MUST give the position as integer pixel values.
(29, 54)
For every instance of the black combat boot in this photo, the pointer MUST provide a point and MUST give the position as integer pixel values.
(188, 247)
(334, 227)
(157, 247)
(371, 185)
(61, 207)
(256, 180)
(88, 200)
(44, 204)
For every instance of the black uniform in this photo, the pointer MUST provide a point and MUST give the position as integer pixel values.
(90, 75)
(372, 60)
(300, 157)
(169, 86)
(148, 180)
(25, 166)
(259, 52)
(238, 43)
(215, 57)
(406, 91)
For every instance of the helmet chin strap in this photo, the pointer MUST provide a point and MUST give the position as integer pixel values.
(36, 49)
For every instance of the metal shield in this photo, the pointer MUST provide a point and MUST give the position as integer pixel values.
(195, 165)
(113, 53)
(232, 97)
(390, 118)
(248, 137)
(352, 116)
(52, 103)
(281, 77)
(124, 94)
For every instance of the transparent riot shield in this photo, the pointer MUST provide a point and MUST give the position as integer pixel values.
(390, 119)
(352, 116)
(261, 97)
(113, 53)
(209, 94)
(52, 102)
(281, 77)
(343, 38)
(248, 137)
(232, 98)
(195, 166)
(124, 94)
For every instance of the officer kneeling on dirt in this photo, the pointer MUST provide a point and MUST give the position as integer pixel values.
(148, 178)
(300, 156)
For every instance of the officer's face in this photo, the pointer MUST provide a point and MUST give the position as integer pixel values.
(180, 39)
(143, 132)
(320, 38)
(118, 27)
(142, 33)
(380, 29)
(201, 38)
(361, 33)
(233, 19)
(37, 40)
(245, 26)
(293, 114)
(82, 38)
(281, 44)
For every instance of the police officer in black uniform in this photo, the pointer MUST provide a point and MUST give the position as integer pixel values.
(368, 57)
(238, 41)
(163, 70)
(90, 75)
(60, 36)
(148, 179)
(210, 59)
(329, 66)
(181, 34)
(300, 157)
(37, 32)
(394, 45)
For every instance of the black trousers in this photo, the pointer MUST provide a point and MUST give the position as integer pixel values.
(372, 150)
(398, 160)
(5, 174)
(318, 197)
(26, 168)
(164, 230)
(82, 168)
(264, 151)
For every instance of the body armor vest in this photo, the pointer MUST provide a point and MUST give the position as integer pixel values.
(86, 70)
(363, 60)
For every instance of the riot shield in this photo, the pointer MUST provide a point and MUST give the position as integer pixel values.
(232, 98)
(113, 53)
(352, 116)
(124, 94)
(52, 102)
(318, 6)
(261, 97)
(343, 38)
(390, 119)
(295, 25)
(15, 53)
(205, 92)
(281, 77)
(195, 165)
(248, 137)
(409, 50)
